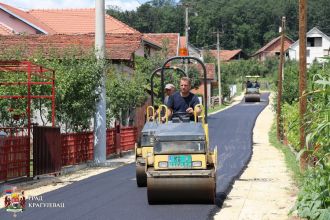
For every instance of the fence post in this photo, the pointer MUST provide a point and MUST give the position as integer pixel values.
(118, 140)
(4, 164)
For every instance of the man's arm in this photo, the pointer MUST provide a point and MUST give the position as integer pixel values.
(168, 113)
(195, 102)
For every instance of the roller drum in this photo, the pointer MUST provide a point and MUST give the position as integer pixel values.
(181, 190)
(141, 177)
(252, 98)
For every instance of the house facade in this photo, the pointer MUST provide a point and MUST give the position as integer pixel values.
(318, 46)
(273, 48)
(210, 70)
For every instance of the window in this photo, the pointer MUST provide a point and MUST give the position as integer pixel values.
(314, 41)
(308, 53)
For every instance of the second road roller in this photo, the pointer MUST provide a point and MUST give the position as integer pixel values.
(252, 93)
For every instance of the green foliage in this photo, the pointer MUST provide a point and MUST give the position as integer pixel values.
(290, 83)
(290, 119)
(234, 72)
(314, 196)
(77, 79)
(13, 111)
(153, 17)
(124, 92)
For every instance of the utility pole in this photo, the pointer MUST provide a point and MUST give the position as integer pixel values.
(219, 69)
(186, 33)
(187, 26)
(100, 115)
(302, 77)
(279, 86)
(219, 73)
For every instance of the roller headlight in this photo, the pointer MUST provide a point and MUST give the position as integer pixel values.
(197, 163)
(162, 164)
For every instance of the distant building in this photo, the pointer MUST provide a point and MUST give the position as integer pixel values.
(228, 55)
(273, 48)
(318, 46)
(63, 28)
(170, 40)
(210, 70)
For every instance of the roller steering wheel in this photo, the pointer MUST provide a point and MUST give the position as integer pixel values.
(181, 115)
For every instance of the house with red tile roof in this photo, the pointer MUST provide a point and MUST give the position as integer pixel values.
(273, 48)
(78, 21)
(169, 40)
(128, 41)
(121, 47)
(210, 70)
(228, 55)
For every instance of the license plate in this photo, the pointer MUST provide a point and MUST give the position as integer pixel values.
(179, 161)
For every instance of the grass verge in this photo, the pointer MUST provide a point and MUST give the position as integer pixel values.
(216, 108)
(290, 157)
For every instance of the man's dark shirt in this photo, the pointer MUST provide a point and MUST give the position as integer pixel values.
(181, 104)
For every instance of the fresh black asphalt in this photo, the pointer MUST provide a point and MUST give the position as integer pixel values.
(114, 194)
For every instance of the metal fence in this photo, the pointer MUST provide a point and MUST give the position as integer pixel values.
(14, 157)
(52, 150)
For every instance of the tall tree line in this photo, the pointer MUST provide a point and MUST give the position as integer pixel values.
(247, 24)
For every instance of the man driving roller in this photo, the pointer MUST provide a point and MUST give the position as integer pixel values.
(183, 101)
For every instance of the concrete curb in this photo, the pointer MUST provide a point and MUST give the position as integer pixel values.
(236, 100)
(48, 179)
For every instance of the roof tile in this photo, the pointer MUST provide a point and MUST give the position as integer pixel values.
(4, 30)
(118, 46)
(225, 55)
(78, 21)
(160, 38)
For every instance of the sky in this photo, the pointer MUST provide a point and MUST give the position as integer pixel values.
(46, 4)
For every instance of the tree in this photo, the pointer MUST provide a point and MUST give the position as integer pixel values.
(247, 24)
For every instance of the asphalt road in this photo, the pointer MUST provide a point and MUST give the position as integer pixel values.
(114, 194)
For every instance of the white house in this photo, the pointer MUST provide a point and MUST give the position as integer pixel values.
(318, 46)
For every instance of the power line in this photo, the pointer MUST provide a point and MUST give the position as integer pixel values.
(138, 2)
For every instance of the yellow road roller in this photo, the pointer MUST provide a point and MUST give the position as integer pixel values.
(182, 168)
(252, 93)
(144, 147)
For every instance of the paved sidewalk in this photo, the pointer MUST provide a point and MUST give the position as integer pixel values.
(265, 190)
